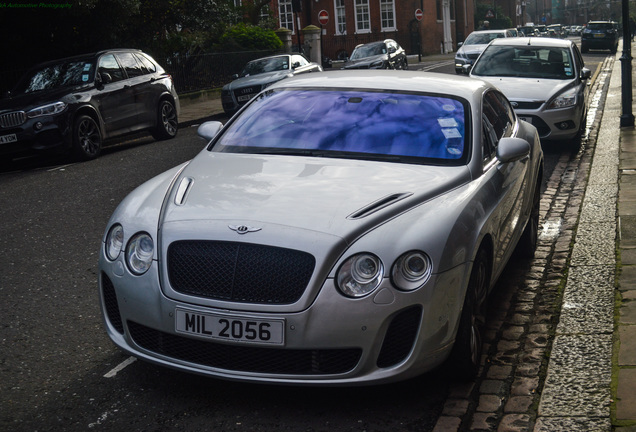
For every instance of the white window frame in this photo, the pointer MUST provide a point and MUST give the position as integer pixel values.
(387, 7)
(341, 17)
(363, 16)
(285, 11)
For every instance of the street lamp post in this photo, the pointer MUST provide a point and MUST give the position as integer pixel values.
(627, 117)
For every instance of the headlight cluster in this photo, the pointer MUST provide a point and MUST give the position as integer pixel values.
(564, 100)
(138, 252)
(362, 273)
(49, 109)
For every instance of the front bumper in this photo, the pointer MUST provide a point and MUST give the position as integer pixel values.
(45, 133)
(387, 336)
(555, 124)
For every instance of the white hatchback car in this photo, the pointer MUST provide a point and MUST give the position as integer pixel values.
(545, 80)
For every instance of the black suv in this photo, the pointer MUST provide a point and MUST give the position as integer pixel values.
(386, 54)
(600, 35)
(76, 103)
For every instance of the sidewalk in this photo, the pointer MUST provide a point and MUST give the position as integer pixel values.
(591, 378)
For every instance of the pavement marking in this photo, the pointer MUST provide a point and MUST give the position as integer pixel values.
(130, 360)
(437, 65)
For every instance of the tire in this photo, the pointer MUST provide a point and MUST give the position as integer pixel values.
(167, 121)
(575, 143)
(87, 138)
(405, 65)
(528, 242)
(465, 357)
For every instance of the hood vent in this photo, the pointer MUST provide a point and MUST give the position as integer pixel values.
(182, 191)
(378, 205)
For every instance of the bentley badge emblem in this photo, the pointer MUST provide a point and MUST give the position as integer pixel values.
(243, 229)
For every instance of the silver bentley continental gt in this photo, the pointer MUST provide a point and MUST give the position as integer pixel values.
(343, 228)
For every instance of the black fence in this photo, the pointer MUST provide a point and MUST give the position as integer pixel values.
(190, 73)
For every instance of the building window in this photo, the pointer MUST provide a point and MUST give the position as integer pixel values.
(285, 14)
(440, 10)
(363, 21)
(387, 14)
(341, 21)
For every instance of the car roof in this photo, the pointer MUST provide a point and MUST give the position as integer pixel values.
(488, 31)
(526, 41)
(415, 81)
(270, 57)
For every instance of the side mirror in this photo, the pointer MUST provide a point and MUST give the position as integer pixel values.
(459, 44)
(295, 65)
(585, 73)
(466, 69)
(209, 130)
(392, 50)
(235, 76)
(105, 78)
(512, 149)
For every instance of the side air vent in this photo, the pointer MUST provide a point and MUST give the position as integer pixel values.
(379, 205)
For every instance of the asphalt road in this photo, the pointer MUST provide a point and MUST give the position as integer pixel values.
(58, 369)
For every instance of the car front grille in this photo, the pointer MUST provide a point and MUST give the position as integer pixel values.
(12, 119)
(400, 337)
(246, 358)
(239, 272)
(473, 56)
(246, 91)
(526, 105)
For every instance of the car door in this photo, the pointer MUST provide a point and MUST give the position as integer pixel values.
(141, 84)
(115, 98)
(507, 181)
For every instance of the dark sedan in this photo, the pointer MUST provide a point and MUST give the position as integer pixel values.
(76, 103)
(386, 54)
(261, 73)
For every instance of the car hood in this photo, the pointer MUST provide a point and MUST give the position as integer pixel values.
(352, 64)
(334, 196)
(26, 101)
(260, 79)
(471, 49)
(527, 89)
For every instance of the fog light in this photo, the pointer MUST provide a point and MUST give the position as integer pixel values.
(565, 125)
(37, 126)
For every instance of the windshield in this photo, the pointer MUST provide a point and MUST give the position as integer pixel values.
(368, 50)
(260, 66)
(378, 125)
(526, 62)
(63, 74)
(482, 38)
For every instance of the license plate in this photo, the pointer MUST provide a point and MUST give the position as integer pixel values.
(245, 97)
(230, 328)
(6, 139)
(526, 119)
(599, 35)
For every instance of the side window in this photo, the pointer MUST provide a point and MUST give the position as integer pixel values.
(130, 65)
(498, 119)
(146, 65)
(108, 65)
(298, 61)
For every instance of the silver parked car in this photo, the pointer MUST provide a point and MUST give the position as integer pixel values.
(475, 44)
(544, 79)
(343, 228)
(261, 73)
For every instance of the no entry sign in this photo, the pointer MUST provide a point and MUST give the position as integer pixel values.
(323, 17)
(419, 14)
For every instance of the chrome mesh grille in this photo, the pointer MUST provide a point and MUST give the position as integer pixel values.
(12, 119)
(240, 272)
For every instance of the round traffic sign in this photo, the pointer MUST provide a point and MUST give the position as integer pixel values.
(323, 17)
(419, 14)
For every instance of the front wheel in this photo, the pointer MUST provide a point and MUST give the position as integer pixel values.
(528, 242)
(465, 357)
(167, 122)
(87, 138)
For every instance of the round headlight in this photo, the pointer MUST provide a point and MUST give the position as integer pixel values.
(139, 253)
(360, 275)
(411, 270)
(114, 242)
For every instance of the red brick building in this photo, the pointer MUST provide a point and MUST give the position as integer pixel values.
(352, 22)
